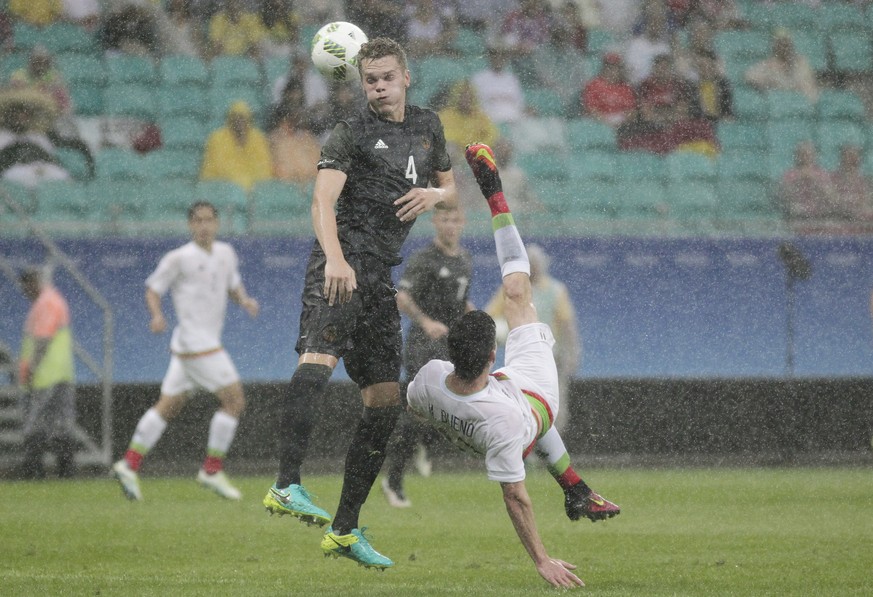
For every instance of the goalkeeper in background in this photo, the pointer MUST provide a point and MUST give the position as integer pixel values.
(505, 415)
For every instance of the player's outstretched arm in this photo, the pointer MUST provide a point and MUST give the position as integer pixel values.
(556, 572)
(339, 277)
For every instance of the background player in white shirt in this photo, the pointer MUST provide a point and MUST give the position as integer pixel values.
(201, 275)
(505, 415)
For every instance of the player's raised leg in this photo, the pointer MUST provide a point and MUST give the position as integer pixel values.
(222, 430)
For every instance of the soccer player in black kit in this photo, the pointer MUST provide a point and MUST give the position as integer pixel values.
(379, 170)
(433, 294)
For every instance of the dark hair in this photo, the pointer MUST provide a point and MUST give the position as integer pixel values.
(197, 205)
(471, 340)
(380, 47)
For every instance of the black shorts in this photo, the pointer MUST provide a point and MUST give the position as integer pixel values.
(364, 332)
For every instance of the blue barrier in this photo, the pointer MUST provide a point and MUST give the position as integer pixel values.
(651, 308)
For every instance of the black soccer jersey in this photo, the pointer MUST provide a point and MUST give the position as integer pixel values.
(383, 160)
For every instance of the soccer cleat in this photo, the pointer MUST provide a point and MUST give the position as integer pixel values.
(295, 500)
(590, 505)
(128, 479)
(355, 547)
(396, 498)
(481, 159)
(219, 483)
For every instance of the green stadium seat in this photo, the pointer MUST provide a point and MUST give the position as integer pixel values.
(172, 163)
(124, 68)
(599, 41)
(746, 164)
(11, 63)
(235, 71)
(544, 102)
(25, 36)
(793, 16)
(115, 163)
(851, 51)
(130, 99)
(587, 133)
(832, 135)
(165, 206)
(469, 42)
(742, 199)
(691, 199)
(639, 165)
(275, 67)
(279, 207)
(78, 68)
(122, 203)
(182, 101)
(20, 194)
(750, 105)
(784, 136)
(87, 99)
(183, 132)
(65, 207)
(840, 104)
(183, 70)
(813, 46)
(745, 43)
(740, 135)
(640, 200)
(592, 164)
(837, 16)
(74, 162)
(220, 99)
(62, 37)
(228, 197)
(689, 165)
(784, 105)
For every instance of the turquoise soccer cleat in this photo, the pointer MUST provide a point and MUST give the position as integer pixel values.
(295, 500)
(354, 546)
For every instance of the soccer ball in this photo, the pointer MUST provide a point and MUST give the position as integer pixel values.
(335, 49)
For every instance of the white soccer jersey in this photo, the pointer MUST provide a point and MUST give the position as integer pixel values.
(496, 422)
(199, 283)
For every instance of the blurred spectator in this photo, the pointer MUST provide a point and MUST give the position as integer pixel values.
(6, 33)
(499, 88)
(712, 90)
(806, 192)
(237, 152)
(430, 28)
(653, 41)
(560, 65)
(378, 18)
(85, 13)
(516, 183)
(27, 155)
(41, 76)
(301, 72)
(700, 42)
(181, 32)
(555, 308)
(281, 26)
(129, 30)
(38, 13)
(235, 32)
(608, 97)
(721, 14)
(785, 69)
(570, 17)
(527, 27)
(294, 149)
(464, 120)
(853, 189)
(662, 87)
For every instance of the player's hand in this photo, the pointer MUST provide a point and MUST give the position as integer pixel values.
(158, 324)
(416, 202)
(434, 329)
(558, 574)
(484, 166)
(339, 282)
(251, 306)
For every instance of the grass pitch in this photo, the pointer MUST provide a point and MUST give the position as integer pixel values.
(681, 532)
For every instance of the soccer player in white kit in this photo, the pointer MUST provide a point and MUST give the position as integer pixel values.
(505, 415)
(201, 275)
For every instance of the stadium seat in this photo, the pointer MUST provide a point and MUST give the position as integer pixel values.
(228, 197)
(220, 99)
(183, 70)
(592, 164)
(544, 102)
(182, 101)
(750, 105)
(837, 16)
(813, 46)
(689, 165)
(74, 162)
(275, 67)
(129, 99)
(165, 207)
(172, 163)
(832, 135)
(784, 105)
(78, 68)
(25, 36)
(20, 194)
(851, 51)
(639, 165)
(840, 104)
(62, 37)
(691, 199)
(753, 44)
(736, 135)
(87, 99)
(742, 199)
(121, 203)
(183, 132)
(115, 163)
(784, 136)
(599, 41)
(279, 207)
(745, 164)
(11, 63)
(587, 133)
(470, 42)
(639, 200)
(791, 15)
(64, 207)
(235, 71)
(124, 68)
(548, 165)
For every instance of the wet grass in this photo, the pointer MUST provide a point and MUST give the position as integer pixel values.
(798, 531)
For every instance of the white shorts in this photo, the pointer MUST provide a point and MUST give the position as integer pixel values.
(529, 352)
(211, 372)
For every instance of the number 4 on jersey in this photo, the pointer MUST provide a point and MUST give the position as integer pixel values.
(411, 174)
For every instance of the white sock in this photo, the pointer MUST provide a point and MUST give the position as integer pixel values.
(148, 431)
(511, 253)
(222, 428)
(550, 447)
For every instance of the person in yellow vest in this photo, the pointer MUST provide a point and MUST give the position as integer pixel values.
(237, 152)
(46, 372)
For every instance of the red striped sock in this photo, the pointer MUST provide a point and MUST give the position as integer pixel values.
(212, 464)
(497, 203)
(134, 459)
(568, 479)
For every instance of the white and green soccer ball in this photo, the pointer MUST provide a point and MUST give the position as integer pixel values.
(335, 50)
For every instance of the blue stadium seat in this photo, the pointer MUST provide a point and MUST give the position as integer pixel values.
(183, 70)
